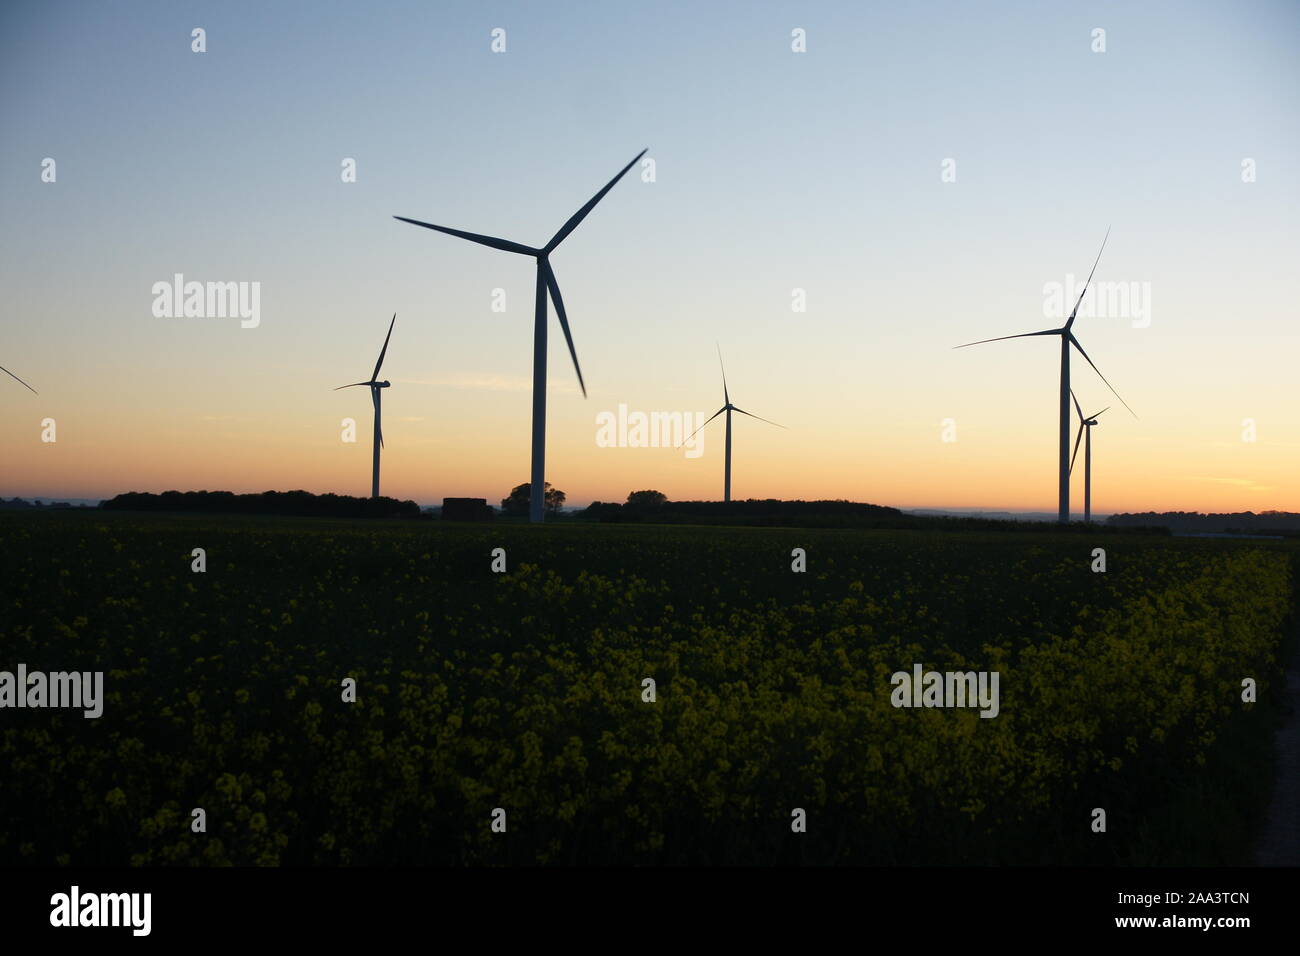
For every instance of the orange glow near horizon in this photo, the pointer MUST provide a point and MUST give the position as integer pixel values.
(100, 451)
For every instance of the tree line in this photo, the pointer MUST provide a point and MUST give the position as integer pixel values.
(290, 503)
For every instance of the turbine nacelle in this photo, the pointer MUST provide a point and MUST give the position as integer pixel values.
(727, 406)
(374, 384)
(545, 274)
(1085, 424)
(547, 288)
(1068, 339)
(1091, 419)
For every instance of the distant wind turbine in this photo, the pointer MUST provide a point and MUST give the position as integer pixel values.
(1067, 339)
(545, 281)
(375, 395)
(1085, 426)
(728, 408)
(18, 380)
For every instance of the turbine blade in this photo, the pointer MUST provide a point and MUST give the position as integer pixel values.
(564, 318)
(726, 398)
(581, 214)
(18, 380)
(701, 428)
(353, 385)
(1075, 343)
(752, 415)
(379, 429)
(1106, 409)
(1077, 409)
(1003, 338)
(1070, 321)
(375, 376)
(1076, 448)
(503, 244)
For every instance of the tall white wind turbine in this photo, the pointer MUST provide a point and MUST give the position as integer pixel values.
(545, 281)
(728, 408)
(1067, 339)
(1085, 428)
(375, 396)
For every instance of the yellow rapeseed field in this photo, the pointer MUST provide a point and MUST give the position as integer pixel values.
(524, 691)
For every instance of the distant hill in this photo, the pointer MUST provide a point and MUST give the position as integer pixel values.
(1285, 523)
(290, 503)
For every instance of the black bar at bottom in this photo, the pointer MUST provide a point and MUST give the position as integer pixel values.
(307, 906)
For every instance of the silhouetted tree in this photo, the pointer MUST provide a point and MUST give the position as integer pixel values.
(601, 511)
(517, 502)
(646, 500)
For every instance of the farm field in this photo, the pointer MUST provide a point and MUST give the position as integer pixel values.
(523, 690)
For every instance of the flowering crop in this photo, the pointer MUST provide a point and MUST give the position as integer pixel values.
(523, 690)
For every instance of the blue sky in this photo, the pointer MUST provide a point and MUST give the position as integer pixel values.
(774, 171)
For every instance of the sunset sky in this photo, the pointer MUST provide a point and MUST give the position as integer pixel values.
(774, 171)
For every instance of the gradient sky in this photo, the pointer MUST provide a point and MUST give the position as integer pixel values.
(775, 171)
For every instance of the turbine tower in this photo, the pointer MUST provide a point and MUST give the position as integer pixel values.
(1085, 426)
(545, 281)
(728, 408)
(1066, 332)
(375, 395)
(18, 380)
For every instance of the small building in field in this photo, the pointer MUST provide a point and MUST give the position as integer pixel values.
(466, 509)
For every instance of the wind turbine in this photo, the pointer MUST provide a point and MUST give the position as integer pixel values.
(1085, 426)
(545, 281)
(728, 408)
(375, 395)
(18, 380)
(1067, 339)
